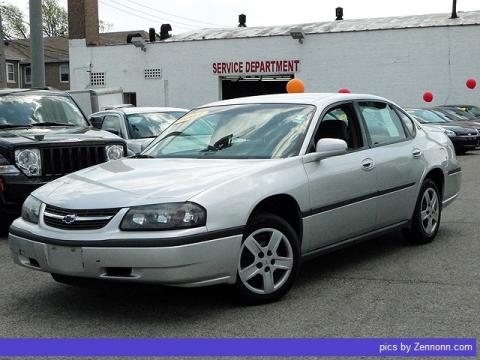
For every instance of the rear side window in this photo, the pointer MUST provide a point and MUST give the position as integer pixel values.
(112, 124)
(383, 124)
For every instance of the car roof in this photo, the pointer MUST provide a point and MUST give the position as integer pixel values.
(141, 110)
(32, 92)
(320, 99)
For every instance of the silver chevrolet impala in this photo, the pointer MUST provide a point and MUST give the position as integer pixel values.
(240, 191)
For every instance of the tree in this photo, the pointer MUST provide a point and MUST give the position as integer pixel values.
(55, 19)
(14, 25)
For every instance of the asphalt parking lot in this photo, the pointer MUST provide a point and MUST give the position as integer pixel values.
(382, 288)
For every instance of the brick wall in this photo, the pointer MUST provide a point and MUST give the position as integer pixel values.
(83, 20)
(52, 76)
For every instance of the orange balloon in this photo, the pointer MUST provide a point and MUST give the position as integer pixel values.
(295, 86)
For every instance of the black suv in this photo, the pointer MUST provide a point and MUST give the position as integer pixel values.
(45, 135)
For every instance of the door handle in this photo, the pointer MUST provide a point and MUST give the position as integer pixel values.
(368, 164)
(416, 153)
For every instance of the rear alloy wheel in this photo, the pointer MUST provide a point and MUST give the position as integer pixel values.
(268, 261)
(428, 211)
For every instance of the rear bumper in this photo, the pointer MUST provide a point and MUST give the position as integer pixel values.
(199, 264)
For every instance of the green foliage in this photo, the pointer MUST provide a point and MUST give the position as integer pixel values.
(55, 19)
(14, 25)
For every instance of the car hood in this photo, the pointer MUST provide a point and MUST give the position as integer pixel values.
(459, 130)
(466, 123)
(131, 182)
(52, 134)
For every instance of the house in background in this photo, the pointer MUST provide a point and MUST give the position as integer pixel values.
(57, 69)
(18, 59)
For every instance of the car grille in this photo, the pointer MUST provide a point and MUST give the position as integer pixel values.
(77, 219)
(58, 161)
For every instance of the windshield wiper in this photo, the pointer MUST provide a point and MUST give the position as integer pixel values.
(143, 156)
(51, 123)
(12, 126)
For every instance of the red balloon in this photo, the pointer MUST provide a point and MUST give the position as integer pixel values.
(428, 97)
(344, 91)
(471, 84)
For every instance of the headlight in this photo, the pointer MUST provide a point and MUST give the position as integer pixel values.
(164, 217)
(31, 209)
(450, 133)
(6, 168)
(114, 152)
(29, 161)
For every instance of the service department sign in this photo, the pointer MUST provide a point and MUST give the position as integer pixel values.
(256, 67)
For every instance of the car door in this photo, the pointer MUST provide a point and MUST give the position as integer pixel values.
(342, 188)
(398, 157)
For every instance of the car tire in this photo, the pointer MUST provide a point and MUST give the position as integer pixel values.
(5, 222)
(269, 259)
(428, 212)
(460, 150)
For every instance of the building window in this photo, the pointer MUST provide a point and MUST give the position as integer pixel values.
(64, 73)
(27, 74)
(10, 73)
(97, 78)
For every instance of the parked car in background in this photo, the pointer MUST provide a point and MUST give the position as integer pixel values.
(473, 111)
(137, 125)
(463, 137)
(239, 191)
(43, 136)
(456, 115)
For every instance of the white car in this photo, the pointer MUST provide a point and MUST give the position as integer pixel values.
(239, 191)
(137, 125)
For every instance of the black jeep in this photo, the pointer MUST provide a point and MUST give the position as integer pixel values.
(44, 135)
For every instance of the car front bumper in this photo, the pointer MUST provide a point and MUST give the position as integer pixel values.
(16, 189)
(198, 264)
(466, 142)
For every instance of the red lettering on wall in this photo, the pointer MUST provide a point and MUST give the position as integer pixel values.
(256, 66)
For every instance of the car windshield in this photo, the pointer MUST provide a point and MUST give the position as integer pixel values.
(471, 110)
(256, 131)
(427, 116)
(148, 125)
(452, 115)
(38, 110)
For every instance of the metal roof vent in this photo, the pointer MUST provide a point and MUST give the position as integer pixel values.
(242, 20)
(151, 35)
(454, 10)
(339, 13)
(164, 31)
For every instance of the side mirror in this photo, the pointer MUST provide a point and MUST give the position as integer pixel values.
(325, 148)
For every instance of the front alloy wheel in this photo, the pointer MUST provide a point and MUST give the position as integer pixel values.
(268, 259)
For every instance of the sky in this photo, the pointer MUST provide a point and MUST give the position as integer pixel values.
(186, 15)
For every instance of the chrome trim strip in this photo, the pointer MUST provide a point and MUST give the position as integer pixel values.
(78, 218)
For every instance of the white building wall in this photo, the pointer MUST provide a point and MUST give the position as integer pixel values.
(398, 64)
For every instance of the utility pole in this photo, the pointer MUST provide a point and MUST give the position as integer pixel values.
(3, 70)
(36, 38)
